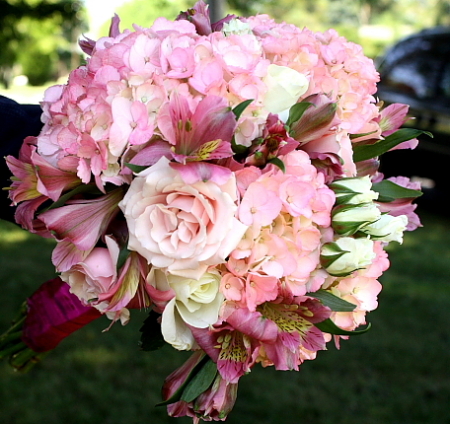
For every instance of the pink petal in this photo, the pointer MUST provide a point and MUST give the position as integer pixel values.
(83, 222)
(201, 171)
(66, 254)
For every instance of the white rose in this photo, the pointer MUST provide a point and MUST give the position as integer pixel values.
(388, 228)
(284, 87)
(346, 255)
(181, 227)
(196, 303)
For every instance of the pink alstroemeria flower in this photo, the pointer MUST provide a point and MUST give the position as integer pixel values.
(129, 289)
(234, 345)
(34, 176)
(391, 119)
(296, 331)
(403, 206)
(82, 222)
(215, 403)
(202, 134)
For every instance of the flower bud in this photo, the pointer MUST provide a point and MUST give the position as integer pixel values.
(388, 228)
(199, 16)
(218, 401)
(346, 255)
(316, 121)
(348, 219)
(354, 191)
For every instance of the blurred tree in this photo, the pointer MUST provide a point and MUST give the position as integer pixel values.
(37, 38)
(144, 12)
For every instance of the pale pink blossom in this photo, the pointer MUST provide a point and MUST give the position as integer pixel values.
(131, 125)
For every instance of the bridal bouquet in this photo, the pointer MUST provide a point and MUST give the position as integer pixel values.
(224, 176)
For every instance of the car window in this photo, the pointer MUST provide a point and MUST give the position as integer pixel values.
(415, 75)
(445, 82)
(419, 67)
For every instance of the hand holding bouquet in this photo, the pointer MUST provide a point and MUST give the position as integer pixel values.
(225, 176)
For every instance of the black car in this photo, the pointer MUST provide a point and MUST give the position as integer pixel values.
(416, 71)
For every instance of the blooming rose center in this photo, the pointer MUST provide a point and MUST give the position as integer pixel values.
(178, 224)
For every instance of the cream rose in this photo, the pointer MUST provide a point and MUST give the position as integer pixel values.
(183, 228)
(196, 303)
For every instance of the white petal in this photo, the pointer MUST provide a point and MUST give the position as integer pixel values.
(174, 330)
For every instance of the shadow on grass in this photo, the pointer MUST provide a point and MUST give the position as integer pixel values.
(397, 373)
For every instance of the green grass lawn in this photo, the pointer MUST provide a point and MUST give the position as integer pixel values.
(397, 373)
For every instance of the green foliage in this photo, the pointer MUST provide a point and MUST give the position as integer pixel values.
(144, 12)
(37, 38)
(369, 151)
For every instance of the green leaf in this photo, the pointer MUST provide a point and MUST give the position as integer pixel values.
(335, 303)
(241, 107)
(279, 163)
(151, 337)
(136, 168)
(389, 191)
(296, 112)
(200, 382)
(329, 326)
(123, 256)
(365, 152)
(238, 149)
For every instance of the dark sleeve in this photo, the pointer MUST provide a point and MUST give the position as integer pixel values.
(16, 123)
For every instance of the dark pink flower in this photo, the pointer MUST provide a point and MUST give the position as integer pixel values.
(274, 142)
